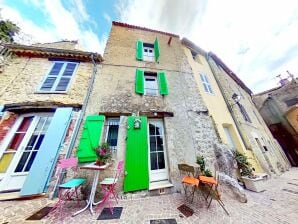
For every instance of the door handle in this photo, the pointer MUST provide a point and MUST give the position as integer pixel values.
(125, 173)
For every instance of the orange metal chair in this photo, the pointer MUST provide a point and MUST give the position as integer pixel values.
(212, 185)
(189, 182)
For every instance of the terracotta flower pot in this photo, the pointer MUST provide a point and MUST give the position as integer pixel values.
(100, 163)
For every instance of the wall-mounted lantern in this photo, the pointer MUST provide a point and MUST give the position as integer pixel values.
(137, 123)
(236, 97)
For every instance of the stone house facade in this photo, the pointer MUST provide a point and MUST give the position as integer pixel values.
(42, 92)
(214, 100)
(146, 104)
(253, 129)
(279, 109)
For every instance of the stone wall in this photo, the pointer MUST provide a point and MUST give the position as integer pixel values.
(22, 77)
(190, 132)
(256, 129)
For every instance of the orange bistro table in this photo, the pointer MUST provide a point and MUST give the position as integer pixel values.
(90, 201)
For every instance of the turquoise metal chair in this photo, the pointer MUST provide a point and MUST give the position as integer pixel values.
(68, 191)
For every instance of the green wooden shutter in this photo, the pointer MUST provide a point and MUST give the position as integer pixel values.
(136, 158)
(139, 85)
(139, 50)
(156, 49)
(90, 138)
(163, 86)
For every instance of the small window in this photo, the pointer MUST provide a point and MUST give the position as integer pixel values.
(194, 55)
(111, 132)
(148, 52)
(59, 77)
(206, 83)
(244, 113)
(229, 137)
(151, 87)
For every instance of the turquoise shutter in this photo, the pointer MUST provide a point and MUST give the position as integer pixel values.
(139, 85)
(163, 85)
(90, 138)
(136, 158)
(156, 50)
(139, 50)
(45, 160)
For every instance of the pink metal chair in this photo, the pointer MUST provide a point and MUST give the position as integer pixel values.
(68, 190)
(108, 187)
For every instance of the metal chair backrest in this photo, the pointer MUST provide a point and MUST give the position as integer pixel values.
(187, 169)
(68, 163)
(120, 167)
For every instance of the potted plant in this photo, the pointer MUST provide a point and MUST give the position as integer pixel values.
(104, 154)
(202, 164)
(252, 181)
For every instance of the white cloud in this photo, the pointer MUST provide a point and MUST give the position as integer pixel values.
(256, 39)
(63, 24)
(107, 17)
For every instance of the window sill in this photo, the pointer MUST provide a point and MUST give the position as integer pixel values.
(151, 95)
(50, 92)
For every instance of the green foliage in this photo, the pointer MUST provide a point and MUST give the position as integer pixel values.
(204, 171)
(7, 31)
(201, 162)
(208, 173)
(243, 165)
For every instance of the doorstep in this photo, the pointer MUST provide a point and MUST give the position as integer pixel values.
(16, 195)
(159, 185)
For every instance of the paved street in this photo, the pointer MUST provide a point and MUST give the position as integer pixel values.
(278, 204)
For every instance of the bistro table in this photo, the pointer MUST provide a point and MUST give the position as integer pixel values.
(90, 201)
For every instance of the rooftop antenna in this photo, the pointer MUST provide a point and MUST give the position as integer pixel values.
(291, 75)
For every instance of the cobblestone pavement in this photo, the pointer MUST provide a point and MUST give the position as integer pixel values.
(278, 204)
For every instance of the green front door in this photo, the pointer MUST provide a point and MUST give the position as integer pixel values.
(136, 159)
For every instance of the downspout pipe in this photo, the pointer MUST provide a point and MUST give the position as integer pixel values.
(79, 121)
(84, 107)
(227, 103)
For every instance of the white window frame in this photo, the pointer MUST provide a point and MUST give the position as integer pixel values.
(151, 76)
(110, 121)
(148, 56)
(206, 84)
(59, 76)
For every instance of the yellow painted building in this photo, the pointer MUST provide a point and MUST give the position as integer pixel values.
(214, 100)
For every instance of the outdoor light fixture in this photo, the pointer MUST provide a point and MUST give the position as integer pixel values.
(137, 123)
(236, 97)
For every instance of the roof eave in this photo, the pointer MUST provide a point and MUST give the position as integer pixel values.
(52, 52)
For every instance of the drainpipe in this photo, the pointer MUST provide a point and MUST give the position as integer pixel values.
(227, 103)
(84, 107)
(78, 123)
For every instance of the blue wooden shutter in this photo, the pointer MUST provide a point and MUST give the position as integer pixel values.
(42, 166)
(51, 77)
(66, 77)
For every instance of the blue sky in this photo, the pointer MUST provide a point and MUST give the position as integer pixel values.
(256, 39)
